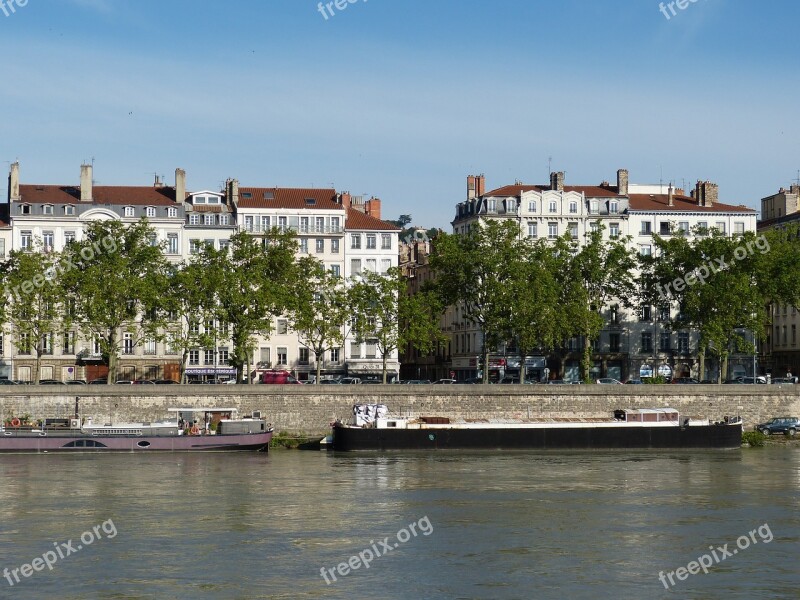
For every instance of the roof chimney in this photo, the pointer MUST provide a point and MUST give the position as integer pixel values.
(622, 182)
(13, 183)
(345, 198)
(470, 187)
(372, 207)
(232, 192)
(180, 186)
(706, 193)
(794, 189)
(86, 183)
(557, 181)
(671, 195)
(480, 185)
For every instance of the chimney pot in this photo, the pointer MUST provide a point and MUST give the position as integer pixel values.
(671, 195)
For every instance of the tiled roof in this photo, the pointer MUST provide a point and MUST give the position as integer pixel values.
(358, 220)
(592, 191)
(648, 202)
(288, 198)
(122, 195)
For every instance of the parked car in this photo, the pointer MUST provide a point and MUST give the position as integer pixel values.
(277, 377)
(350, 381)
(8, 382)
(558, 382)
(165, 382)
(783, 380)
(444, 382)
(634, 382)
(123, 382)
(787, 425)
(50, 382)
(75, 382)
(685, 380)
(749, 380)
(143, 382)
(99, 381)
(609, 381)
(330, 382)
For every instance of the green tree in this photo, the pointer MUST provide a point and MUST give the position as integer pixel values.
(34, 302)
(321, 310)
(115, 278)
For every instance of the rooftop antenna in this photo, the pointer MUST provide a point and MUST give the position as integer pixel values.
(797, 180)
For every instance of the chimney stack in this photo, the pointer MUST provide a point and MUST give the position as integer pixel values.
(706, 193)
(480, 185)
(671, 195)
(86, 183)
(622, 182)
(13, 183)
(372, 207)
(794, 189)
(180, 186)
(345, 199)
(557, 181)
(232, 192)
(471, 187)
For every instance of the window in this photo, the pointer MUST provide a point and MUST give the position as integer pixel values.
(613, 207)
(335, 246)
(683, 227)
(664, 228)
(283, 326)
(24, 343)
(208, 356)
(152, 239)
(282, 356)
(224, 244)
(68, 343)
(172, 212)
(646, 314)
(552, 230)
(303, 224)
(304, 245)
(647, 342)
(784, 336)
(69, 210)
(646, 228)
(702, 225)
(336, 270)
(386, 264)
(150, 211)
(646, 250)
(46, 345)
(129, 212)
(282, 223)
(720, 226)
(26, 240)
(664, 314)
(172, 243)
(573, 230)
(371, 350)
(553, 206)
(224, 219)
(319, 224)
(248, 223)
(573, 208)
(594, 207)
(613, 230)
(532, 206)
(48, 241)
(594, 226)
(355, 350)
(683, 342)
(335, 224)
(613, 342)
(372, 241)
(386, 241)
(208, 219)
(738, 228)
(304, 354)
(265, 223)
(194, 219)
(150, 346)
(127, 343)
(355, 241)
(320, 246)
(263, 356)
(532, 233)
(194, 246)
(665, 341)
(194, 357)
(355, 266)
(794, 335)
(335, 353)
(69, 237)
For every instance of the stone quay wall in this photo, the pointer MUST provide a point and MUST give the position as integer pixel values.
(310, 409)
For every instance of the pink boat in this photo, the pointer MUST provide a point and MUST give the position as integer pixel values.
(192, 430)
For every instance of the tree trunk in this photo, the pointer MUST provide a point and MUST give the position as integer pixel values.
(37, 367)
(384, 366)
(485, 363)
(723, 368)
(112, 357)
(184, 358)
(317, 354)
(586, 361)
(701, 363)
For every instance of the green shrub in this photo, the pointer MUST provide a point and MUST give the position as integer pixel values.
(755, 439)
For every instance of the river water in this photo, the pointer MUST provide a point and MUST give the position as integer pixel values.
(485, 525)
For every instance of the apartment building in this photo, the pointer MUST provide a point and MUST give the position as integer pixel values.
(639, 343)
(48, 216)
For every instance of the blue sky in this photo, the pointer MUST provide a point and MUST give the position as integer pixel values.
(403, 99)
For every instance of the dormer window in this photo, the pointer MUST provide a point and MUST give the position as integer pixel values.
(69, 210)
(310, 201)
(129, 211)
(172, 212)
(553, 206)
(248, 195)
(208, 219)
(199, 200)
(194, 219)
(613, 207)
(270, 195)
(150, 211)
(25, 209)
(47, 209)
(573, 208)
